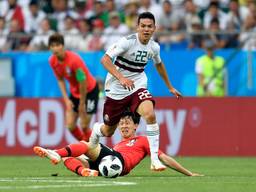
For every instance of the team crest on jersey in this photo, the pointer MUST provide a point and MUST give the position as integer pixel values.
(131, 142)
(68, 71)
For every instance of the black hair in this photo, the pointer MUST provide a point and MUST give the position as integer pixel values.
(2, 18)
(135, 116)
(214, 4)
(146, 15)
(215, 20)
(56, 38)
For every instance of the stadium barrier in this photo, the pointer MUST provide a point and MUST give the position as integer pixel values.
(189, 127)
(33, 74)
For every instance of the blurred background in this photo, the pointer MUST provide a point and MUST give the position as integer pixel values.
(216, 116)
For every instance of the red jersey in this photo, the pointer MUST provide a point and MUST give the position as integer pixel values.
(133, 150)
(67, 69)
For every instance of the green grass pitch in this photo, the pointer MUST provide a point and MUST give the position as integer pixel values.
(26, 174)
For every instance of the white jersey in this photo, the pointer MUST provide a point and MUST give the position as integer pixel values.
(131, 57)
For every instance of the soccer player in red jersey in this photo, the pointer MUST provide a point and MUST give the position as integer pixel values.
(131, 151)
(84, 91)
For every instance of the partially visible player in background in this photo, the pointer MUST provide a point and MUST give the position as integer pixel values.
(131, 151)
(84, 91)
(126, 84)
(210, 72)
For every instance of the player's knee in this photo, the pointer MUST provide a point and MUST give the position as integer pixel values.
(150, 117)
(70, 126)
(84, 125)
(108, 133)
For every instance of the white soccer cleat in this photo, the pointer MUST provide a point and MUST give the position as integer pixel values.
(156, 165)
(50, 154)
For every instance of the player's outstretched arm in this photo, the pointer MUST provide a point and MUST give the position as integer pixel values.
(162, 71)
(173, 164)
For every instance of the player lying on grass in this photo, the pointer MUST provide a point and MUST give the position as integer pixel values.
(131, 151)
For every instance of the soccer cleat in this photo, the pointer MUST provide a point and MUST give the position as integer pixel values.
(50, 154)
(86, 172)
(156, 165)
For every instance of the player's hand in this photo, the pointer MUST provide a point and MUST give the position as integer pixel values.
(69, 104)
(176, 93)
(127, 83)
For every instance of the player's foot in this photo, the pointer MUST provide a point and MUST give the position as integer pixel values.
(86, 172)
(95, 138)
(156, 165)
(50, 154)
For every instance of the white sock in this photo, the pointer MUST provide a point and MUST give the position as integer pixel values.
(97, 129)
(153, 139)
(96, 134)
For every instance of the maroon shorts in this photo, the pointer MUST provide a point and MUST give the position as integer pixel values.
(113, 109)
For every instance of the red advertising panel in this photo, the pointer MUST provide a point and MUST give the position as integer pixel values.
(191, 126)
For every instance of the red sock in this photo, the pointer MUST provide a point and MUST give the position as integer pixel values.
(87, 134)
(77, 133)
(73, 150)
(74, 165)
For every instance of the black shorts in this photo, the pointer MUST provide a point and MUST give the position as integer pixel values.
(105, 151)
(91, 100)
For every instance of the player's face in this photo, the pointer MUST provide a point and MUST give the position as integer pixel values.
(145, 29)
(57, 49)
(127, 127)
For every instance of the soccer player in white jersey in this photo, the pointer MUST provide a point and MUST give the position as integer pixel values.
(126, 84)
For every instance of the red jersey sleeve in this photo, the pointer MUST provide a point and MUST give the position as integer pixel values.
(53, 64)
(77, 62)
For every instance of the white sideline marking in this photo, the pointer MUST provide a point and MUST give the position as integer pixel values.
(76, 183)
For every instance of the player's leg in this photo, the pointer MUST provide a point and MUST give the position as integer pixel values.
(72, 150)
(92, 99)
(145, 107)
(54, 157)
(85, 120)
(79, 166)
(101, 130)
(71, 120)
(112, 112)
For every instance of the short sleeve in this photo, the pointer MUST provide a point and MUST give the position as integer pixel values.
(156, 54)
(118, 48)
(78, 63)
